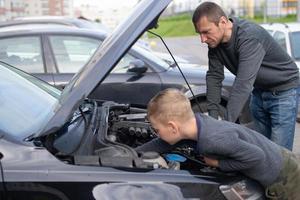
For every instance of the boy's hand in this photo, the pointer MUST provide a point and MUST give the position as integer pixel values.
(211, 162)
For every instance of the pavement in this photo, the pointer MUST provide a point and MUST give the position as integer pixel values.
(296, 147)
(191, 49)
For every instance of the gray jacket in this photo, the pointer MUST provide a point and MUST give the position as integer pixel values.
(256, 59)
(236, 147)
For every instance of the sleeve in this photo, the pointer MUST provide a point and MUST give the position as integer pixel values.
(251, 54)
(157, 145)
(160, 146)
(236, 154)
(214, 78)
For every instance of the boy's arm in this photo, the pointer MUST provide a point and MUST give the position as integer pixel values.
(236, 153)
(157, 145)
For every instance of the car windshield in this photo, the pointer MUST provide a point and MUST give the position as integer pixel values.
(295, 43)
(151, 56)
(26, 103)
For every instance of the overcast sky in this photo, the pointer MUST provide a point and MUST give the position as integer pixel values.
(106, 3)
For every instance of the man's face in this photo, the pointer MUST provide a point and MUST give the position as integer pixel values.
(209, 32)
(165, 131)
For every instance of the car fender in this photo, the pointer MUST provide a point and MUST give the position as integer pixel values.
(200, 93)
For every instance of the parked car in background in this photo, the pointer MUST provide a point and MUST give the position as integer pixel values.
(288, 37)
(55, 20)
(61, 145)
(54, 54)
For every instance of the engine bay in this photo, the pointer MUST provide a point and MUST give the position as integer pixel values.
(107, 135)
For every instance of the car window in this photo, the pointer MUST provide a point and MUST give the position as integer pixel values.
(270, 31)
(280, 38)
(72, 52)
(295, 45)
(23, 52)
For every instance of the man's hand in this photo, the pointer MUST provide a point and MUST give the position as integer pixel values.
(211, 162)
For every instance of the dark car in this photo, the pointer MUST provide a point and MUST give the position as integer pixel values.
(55, 54)
(55, 20)
(63, 145)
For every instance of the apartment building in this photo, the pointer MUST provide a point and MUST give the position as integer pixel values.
(10, 9)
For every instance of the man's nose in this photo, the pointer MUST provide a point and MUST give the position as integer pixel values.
(203, 38)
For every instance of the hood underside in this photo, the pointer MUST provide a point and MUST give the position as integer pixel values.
(143, 17)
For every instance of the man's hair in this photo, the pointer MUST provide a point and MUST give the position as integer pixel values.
(170, 104)
(211, 10)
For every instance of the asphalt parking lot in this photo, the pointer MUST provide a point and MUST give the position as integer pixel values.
(190, 48)
(296, 147)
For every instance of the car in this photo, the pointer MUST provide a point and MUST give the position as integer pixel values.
(55, 54)
(288, 37)
(63, 145)
(79, 22)
(55, 20)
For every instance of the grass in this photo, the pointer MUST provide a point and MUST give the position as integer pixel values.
(181, 25)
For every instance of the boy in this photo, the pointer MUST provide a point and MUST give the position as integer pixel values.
(225, 145)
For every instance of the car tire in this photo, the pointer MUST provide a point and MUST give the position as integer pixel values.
(243, 119)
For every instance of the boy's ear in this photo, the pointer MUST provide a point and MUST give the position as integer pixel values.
(173, 127)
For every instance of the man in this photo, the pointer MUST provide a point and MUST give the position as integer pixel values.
(257, 61)
(224, 145)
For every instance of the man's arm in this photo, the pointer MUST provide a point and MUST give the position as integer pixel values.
(251, 54)
(214, 78)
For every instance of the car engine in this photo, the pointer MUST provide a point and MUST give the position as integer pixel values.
(107, 135)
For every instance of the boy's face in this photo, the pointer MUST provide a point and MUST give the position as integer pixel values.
(167, 132)
(209, 32)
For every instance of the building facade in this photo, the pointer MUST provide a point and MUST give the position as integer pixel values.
(10, 9)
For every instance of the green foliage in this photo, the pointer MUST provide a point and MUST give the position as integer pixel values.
(181, 25)
(175, 26)
(284, 19)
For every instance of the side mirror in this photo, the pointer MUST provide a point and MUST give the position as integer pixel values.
(137, 66)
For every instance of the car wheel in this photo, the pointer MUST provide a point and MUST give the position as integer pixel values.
(203, 109)
(245, 118)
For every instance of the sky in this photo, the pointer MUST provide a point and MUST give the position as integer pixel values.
(106, 3)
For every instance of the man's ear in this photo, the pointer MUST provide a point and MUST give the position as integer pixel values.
(173, 127)
(223, 20)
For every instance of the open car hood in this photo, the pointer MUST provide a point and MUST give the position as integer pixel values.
(143, 17)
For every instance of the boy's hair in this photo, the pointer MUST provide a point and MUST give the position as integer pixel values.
(170, 104)
(211, 10)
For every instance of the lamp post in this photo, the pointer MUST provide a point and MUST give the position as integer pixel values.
(298, 11)
(265, 11)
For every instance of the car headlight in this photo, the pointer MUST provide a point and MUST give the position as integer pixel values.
(243, 190)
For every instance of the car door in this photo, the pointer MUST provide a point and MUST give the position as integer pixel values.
(25, 53)
(70, 54)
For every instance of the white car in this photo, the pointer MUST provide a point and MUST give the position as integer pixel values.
(288, 37)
